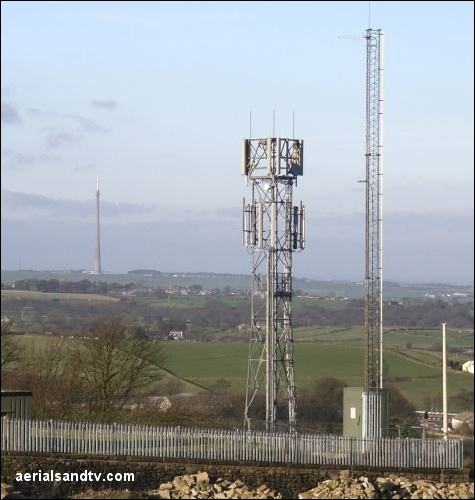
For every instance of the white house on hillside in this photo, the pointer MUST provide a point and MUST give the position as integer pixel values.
(468, 366)
(175, 335)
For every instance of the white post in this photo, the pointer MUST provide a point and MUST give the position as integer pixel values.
(380, 206)
(444, 382)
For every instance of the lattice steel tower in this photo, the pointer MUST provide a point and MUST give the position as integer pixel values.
(273, 228)
(372, 400)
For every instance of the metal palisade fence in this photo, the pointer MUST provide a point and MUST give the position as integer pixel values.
(228, 445)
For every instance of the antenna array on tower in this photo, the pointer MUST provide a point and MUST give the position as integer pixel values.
(273, 228)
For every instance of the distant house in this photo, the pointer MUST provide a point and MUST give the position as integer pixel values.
(468, 366)
(175, 335)
(464, 418)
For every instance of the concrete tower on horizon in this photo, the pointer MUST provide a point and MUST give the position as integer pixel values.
(97, 259)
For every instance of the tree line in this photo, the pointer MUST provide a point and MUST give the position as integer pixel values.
(77, 317)
(91, 378)
(59, 286)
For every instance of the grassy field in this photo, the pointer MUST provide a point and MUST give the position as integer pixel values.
(329, 334)
(428, 338)
(392, 338)
(63, 297)
(206, 363)
(179, 301)
(299, 303)
(191, 301)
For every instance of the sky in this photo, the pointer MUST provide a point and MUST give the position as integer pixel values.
(155, 97)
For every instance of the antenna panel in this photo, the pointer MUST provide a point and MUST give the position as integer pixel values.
(269, 156)
(296, 161)
(245, 147)
(277, 156)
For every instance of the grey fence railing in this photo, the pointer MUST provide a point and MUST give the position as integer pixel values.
(228, 445)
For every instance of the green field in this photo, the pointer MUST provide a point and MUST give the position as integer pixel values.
(329, 334)
(299, 303)
(63, 297)
(392, 338)
(205, 363)
(191, 301)
(319, 352)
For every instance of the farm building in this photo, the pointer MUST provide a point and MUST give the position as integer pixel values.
(175, 335)
(468, 366)
(16, 404)
(462, 418)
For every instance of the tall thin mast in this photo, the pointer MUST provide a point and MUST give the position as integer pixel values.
(97, 259)
(374, 234)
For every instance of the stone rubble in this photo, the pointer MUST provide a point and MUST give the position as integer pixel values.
(394, 486)
(391, 487)
(199, 486)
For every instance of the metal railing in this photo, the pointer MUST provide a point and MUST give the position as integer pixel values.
(228, 445)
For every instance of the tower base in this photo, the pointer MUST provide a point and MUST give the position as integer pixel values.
(365, 414)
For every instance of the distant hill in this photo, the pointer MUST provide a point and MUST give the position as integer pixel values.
(327, 288)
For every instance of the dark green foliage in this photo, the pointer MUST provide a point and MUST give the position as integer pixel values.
(322, 407)
(401, 410)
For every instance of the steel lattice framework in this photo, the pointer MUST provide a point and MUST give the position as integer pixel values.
(374, 224)
(272, 230)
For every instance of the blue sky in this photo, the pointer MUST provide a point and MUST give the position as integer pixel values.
(154, 98)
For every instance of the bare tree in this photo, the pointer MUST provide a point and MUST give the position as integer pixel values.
(114, 364)
(10, 350)
(43, 368)
(45, 374)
